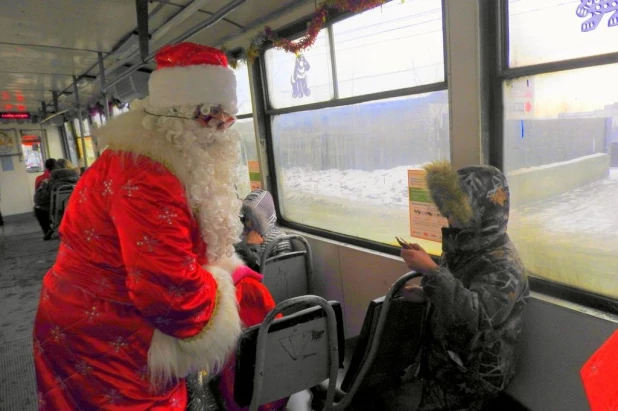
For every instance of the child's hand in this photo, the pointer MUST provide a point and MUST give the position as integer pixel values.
(254, 238)
(413, 293)
(417, 259)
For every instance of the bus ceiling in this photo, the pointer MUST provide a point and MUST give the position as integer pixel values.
(47, 45)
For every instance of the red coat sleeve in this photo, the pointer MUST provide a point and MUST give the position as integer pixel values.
(168, 287)
(254, 301)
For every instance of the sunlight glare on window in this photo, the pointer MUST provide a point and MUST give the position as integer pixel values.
(391, 47)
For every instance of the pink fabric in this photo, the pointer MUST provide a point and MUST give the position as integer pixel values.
(255, 302)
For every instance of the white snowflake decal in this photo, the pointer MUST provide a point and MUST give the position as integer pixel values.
(118, 343)
(107, 190)
(41, 399)
(167, 215)
(189, 262)
(57, 334)
(112, 396)
(82, 195)
(129, 188)
(90, 235)
(137, 275)
(92, 313)
(176, 291)
(83, 368)
(147, 242)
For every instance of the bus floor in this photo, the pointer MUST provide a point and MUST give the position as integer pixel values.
(24, 260)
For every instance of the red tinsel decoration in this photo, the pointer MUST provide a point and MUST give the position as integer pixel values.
(317, 23)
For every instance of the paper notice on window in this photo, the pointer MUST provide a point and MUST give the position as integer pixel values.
(255, 177)
(425, 220)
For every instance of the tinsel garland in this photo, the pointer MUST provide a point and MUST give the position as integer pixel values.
(317, 23)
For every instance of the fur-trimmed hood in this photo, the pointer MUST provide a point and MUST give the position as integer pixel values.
(476, 198)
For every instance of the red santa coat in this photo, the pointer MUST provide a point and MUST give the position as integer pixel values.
(128, 297)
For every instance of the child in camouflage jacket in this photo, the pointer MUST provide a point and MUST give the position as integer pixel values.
(476, 294)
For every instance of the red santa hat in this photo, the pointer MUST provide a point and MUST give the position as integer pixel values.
(189, 73)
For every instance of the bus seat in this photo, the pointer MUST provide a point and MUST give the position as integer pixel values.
(58, 202)
(289, 274)
(388, 344)
(398, 345)
(287, 355)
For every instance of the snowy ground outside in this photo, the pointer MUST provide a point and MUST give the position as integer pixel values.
(571, 238)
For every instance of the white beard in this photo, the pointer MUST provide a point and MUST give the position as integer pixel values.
(205, 161)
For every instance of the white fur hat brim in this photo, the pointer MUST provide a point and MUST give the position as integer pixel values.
(200, 84)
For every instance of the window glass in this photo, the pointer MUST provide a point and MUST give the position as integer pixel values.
(78, 131)
(68, 129)
(297, 80)
(243, 90)
(541, 31)
(98, 120)
(561, 158)
(249, 154)
(344, 169)
(32, 149)
(395, 46)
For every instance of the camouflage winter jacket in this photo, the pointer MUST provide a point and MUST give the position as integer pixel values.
(478, 294)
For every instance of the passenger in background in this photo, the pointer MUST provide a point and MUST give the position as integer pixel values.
(477, 293)
(50, 164)
(64, 173)
(259, 219)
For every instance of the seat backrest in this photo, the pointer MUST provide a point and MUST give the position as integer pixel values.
(297, 352)
(388, 343)
(59, 198)
(288, 275)
(398, 345)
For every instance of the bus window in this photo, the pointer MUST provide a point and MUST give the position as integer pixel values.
(551, 30)
(561, 150)
(32, 149)
(248, 173)
(299, 80)
(375, 53)
(343, 168)
(72, 147)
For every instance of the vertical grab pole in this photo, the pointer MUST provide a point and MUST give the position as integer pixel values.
(81, 121)
(103, 87)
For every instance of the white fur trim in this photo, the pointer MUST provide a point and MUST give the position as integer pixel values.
(230, 264)
(177, 86)
(170, 357)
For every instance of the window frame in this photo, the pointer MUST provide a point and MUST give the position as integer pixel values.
(266, 112)
(498, 57)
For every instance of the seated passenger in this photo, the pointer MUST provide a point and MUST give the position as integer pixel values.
(477, 293)
(64, 173)
(50, 165)
(259, 219)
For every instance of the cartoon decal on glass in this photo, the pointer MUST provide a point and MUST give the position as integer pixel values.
(299, 77)
(598, 9)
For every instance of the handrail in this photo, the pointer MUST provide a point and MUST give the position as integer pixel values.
(258, 376)
(212, 20)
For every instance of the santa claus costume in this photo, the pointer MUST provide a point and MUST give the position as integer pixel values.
(141, 293)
